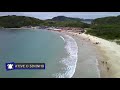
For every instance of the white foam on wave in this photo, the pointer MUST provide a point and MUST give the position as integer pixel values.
(62, 38)
(71, 60)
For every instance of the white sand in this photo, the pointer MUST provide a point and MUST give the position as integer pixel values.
(112, 52)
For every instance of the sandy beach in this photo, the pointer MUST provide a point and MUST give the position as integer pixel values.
(106, 52)
(87, 65)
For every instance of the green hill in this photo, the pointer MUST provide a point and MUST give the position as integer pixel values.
(66, 22)
(63, 18)
(18, 21)
(107, 27)
(107, 20)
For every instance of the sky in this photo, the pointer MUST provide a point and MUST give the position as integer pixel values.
(49, 15)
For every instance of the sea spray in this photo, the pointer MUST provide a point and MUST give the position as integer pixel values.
(71, 60)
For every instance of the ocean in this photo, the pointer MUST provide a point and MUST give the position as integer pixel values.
(57, 51)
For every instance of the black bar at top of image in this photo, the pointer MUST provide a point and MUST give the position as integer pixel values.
(59, 6)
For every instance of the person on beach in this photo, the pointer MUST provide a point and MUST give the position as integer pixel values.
(102, 62)
(107, 68)
(106, 62)
(96, 43)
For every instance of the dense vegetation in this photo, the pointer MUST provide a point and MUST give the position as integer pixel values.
(63, 18)
(19, 21)
(107, 20)
(66, 24)
(107, 28)
(118, 42)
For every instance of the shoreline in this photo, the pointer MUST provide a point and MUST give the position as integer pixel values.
(86, 66)
(70, 61)
(108, 55)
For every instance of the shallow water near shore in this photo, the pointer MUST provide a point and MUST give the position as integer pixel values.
(31, 46)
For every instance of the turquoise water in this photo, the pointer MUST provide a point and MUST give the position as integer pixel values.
(31, 46)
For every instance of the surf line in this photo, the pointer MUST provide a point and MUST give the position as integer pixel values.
(62, 38)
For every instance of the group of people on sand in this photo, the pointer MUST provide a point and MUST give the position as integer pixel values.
(106, 64)
(97, 42)
(88, 39)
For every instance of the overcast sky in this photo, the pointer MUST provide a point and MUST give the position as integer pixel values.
(49, 15)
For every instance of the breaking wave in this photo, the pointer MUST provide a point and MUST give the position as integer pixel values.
(71, 60)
